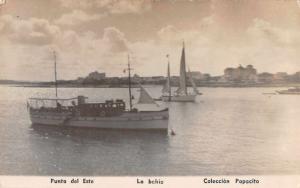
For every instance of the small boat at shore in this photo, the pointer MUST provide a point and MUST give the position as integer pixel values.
(291, 91)
(110, 114)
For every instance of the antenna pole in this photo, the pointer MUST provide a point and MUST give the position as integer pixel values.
(129, 84)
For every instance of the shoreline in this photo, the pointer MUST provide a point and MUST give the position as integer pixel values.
(136, 86)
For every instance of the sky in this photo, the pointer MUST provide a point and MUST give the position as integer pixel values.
(90, 35)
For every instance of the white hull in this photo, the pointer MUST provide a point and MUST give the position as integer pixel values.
(179, 98)
(128, 120)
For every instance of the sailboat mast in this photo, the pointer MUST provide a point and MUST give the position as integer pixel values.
(55, 74)
(169, 80)
(129, 84)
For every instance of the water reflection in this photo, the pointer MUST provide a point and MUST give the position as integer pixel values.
(94, 134)
(75, 151)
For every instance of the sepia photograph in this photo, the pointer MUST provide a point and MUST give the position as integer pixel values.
(114, 88)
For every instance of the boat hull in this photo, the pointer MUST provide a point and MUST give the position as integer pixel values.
(129, 120)
(179, 98)
(288, 93)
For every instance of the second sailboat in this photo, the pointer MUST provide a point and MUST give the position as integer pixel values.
(181, 94)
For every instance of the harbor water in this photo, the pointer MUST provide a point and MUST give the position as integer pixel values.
(227, 131)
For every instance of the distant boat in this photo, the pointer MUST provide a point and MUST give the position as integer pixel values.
(111, 114)
(291, 91)
(181, 94)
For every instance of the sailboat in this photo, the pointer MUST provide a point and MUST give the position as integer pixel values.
(111, 114)
(181, 94)
(290, 91)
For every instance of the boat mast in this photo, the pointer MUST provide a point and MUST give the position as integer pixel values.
(129, 84)
(185, 90)
(169, 80)
(55, 74)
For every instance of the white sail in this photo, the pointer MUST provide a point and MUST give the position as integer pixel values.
(167, 86)
(165, 89)
(182, 90)
(145, 98)
(181, 94)
(196, 91)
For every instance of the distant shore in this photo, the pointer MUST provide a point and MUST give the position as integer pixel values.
(212, 85)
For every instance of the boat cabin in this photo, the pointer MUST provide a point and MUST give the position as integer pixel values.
(108, 108)
(77, 106)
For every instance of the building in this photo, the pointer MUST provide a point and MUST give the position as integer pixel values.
(295, 77)
(198, 75)
(240, 74)
(96, 76)
(265, 77)
(280, 76)
(194, 74)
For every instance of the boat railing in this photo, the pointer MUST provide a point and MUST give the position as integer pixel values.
(53, 99)
(53, 109)
(52, 104)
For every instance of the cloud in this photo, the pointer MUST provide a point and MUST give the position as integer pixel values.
(125, 6)
(111, 6)
(168, 32)
(115, 39)
(172, 34)
(79, 54)
(265, 31)
(76, 3)
(267, 46)
(33, 31)
(77, 17)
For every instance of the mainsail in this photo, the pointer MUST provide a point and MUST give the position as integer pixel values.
(145, 98)
(182, 90)
(167, 86)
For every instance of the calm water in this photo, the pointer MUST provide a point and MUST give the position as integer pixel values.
(228, 131)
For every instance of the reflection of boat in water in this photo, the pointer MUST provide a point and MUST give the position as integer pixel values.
(291, 91)
(181, 94)
(111, 114)
(105, 135)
